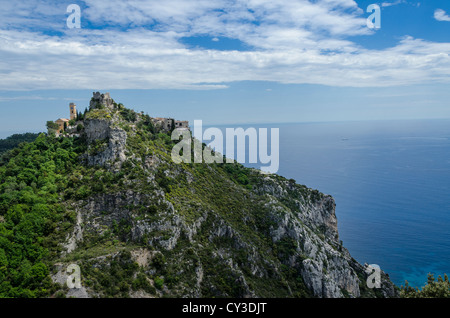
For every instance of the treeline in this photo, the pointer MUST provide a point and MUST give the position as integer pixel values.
(13, 141)
(32, 219)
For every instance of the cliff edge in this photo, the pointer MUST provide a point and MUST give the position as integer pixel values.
(138, 225)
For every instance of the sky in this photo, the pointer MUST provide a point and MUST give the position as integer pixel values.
(226, 61)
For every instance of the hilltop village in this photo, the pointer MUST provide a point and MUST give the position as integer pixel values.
(75, 124)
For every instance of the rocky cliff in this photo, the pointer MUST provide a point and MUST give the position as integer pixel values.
(106, 144)
(197, 230)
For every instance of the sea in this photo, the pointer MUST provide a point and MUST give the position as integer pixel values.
(391, 184)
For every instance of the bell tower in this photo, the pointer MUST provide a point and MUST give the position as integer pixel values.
(73, 111)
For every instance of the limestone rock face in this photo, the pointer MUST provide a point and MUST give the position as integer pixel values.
(106, 143)
(326, 268)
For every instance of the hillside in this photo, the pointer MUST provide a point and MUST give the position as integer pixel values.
(13, 141)
(110, 199)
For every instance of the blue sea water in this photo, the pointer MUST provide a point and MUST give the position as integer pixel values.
(391, 184)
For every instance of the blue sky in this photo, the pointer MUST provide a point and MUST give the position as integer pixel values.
(226, 61)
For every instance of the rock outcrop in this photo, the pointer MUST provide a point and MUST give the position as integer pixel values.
(101, 100)
(106, 143)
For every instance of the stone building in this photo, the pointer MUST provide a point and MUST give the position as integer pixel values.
(101, 99)
(73, 111)
(181, 124)
(61, 122)
(168, 124)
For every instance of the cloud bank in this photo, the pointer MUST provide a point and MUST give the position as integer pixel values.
(136, 44)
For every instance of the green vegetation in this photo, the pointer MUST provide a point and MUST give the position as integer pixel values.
(128, 114)
(80, 115)
(114, 278)
(52, 127)
(98, 113)
(32, 218)
(213, 221)
(439, 288)
(13, 141)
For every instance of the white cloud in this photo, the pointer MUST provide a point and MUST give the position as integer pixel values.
(8, 99)
(291, 42)
(33, 14)
(390, 4)
(37, 97)
(441, 15)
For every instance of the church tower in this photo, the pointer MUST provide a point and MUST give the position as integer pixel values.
(73, 111)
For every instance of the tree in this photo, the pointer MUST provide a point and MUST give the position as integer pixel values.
(14, 140)
(52, 127)
(128, 114)
(3, 261)
(433, 289)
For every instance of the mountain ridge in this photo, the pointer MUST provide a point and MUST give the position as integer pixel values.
(139, 225)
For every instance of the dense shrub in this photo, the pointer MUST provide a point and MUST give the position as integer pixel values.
(32, 213)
